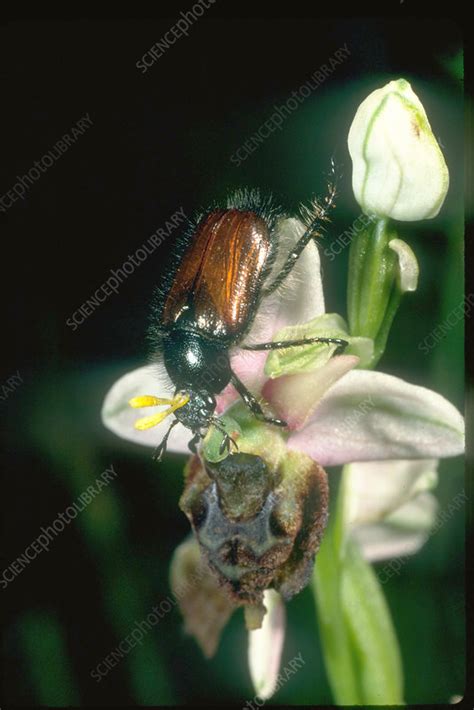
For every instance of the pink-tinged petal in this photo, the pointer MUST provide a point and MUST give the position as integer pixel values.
(227, 397)
(204, 604)
(401, 534)
(266, 646)
(249, 367)
(119, 417)
(295, 397)
(376, 489)
(370, 416)
(299, 299)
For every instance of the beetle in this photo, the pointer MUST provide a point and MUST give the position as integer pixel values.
(223, 272)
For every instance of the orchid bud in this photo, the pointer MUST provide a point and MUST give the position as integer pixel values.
(398, 168)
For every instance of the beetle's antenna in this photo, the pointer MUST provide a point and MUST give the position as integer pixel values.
(317, 212)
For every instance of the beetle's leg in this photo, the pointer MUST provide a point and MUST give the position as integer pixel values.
(161, 448)
(192, 445)
(311, 233)
(252, 402)
(282, 344)
(291, 260)
(227, 440)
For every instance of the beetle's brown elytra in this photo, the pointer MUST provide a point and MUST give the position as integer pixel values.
(220, 276)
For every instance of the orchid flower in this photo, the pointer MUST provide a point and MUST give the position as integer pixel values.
(336, 414)
(390, 431)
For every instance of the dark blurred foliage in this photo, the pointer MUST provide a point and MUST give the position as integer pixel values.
(162, 140)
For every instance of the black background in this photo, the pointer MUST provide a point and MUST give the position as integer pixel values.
(159, 141)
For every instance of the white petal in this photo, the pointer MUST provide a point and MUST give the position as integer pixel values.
(299, 299)
(266, 645)
(403, 533)
(119, 417)
(301, 293)
(398, 168)
(369, 416)
(375, 489)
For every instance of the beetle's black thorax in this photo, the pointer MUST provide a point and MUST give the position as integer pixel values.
(195, 362)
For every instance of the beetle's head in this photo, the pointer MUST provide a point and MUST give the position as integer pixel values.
(192, 408)
(198, 410)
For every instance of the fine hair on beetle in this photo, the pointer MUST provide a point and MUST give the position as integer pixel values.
(212, 301)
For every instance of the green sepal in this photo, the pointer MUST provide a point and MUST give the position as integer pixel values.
(306, 358)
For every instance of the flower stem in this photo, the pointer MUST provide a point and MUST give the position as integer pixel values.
(374, 291)
(359, 642)
(333, 630)
(382, 336)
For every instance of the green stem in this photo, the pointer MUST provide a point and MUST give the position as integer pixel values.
(357, 252)
(333, 630)
(373, 293)
(377, 279)
(341, 513)
(337, 647)
(382, 336)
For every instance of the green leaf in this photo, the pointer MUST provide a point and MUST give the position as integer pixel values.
(47, 660)
(374, 643)
(360, 646)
